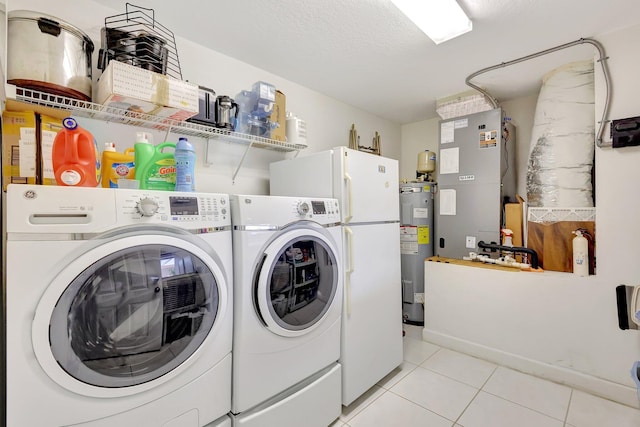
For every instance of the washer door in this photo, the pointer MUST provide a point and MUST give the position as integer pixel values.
(127, 313)
(297, 282)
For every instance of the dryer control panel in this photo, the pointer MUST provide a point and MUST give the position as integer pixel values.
(281, 211)
(324, 211)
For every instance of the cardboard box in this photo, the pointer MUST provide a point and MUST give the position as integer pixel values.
(19, 157)
(48, 129)
(279, 115)
(514, 219)
(549, 233)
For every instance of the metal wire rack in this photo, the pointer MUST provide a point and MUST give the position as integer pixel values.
(136, 38)
(117, 115)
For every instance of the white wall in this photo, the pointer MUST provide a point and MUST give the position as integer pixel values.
(328, 120)
(554, 324)
(417, 137)
(520, 111)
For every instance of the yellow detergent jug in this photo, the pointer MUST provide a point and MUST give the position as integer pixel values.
(116, 165)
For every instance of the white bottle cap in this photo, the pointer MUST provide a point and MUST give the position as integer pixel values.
(143, 137)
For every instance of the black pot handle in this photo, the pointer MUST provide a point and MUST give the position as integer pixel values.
(49, 26)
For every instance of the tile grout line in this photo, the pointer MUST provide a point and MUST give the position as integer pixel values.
(430, 356)
(365, 407)
(409, 371)
(421, 341)
(448, 377)
(475, 395)
(467, 407)
(419, 405)
(455, 379)
(522, 406)
(566, 415)
(386, 390)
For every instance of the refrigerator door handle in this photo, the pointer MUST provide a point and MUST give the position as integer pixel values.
(348, 234)
(348, 214)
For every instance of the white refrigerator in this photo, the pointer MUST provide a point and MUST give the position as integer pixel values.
(367, 187)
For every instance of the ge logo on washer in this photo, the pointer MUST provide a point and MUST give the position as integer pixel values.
(30, 194)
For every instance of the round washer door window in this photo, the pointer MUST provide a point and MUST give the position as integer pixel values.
(298, 282)
(134, 315)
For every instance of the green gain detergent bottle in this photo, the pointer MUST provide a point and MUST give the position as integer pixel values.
(155, 168)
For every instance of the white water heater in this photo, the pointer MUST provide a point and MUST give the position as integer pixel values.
(416, 244)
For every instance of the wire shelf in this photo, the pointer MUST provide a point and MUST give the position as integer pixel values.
(116, 115)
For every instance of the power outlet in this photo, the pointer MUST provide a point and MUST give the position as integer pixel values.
(418, 298)
(470, 242)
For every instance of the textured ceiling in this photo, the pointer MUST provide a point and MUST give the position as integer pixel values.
(367, 54)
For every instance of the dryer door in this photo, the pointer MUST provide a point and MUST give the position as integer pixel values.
(127, 313)
(297, 282)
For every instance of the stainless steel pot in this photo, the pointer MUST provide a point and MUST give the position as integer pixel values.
(49, 55)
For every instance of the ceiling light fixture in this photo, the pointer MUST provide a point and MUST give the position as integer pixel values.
(441, 20)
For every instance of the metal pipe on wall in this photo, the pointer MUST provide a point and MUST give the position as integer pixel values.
(602, 60)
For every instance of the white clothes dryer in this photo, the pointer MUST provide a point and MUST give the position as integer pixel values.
(118, 307)
(287, 311)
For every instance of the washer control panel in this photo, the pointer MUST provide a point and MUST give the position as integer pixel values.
(303, 208)
(187, 210)
(147, 206)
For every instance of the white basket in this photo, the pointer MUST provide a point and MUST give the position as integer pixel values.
(535, 214)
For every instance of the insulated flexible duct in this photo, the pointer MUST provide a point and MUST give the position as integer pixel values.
(562, 139)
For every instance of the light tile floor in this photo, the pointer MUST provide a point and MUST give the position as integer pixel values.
(437, 387)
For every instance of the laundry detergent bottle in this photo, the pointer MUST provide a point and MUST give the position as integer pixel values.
(116, 165)
(155, 168)
(75, 157)
(185, 156)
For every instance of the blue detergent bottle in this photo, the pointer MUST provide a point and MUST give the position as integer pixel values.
(185, 156)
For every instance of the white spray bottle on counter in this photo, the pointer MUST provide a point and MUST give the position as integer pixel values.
(580, 254)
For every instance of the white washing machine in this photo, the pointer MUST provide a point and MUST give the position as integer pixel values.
(287, 311)
(118, 307)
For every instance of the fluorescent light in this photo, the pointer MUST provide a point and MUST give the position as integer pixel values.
(464, 103)
(441, 20)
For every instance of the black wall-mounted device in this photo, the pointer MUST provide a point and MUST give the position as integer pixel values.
(625, 132)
